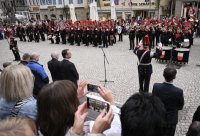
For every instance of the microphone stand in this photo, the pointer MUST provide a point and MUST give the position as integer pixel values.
(105, 81)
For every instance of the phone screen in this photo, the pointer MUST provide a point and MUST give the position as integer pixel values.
(92, 88)
(97, 105)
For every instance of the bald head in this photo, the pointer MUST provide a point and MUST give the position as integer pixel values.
(54, 55)
(34, 57)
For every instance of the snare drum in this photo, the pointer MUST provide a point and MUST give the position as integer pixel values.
(166, 53)
(181, 55)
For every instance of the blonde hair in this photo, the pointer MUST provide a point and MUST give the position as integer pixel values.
(16, 83)
(16, 126)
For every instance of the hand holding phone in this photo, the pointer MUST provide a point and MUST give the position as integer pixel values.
(106, 95)
(103, 121)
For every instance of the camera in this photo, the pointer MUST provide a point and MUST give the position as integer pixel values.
(92, 88)
(97, 103)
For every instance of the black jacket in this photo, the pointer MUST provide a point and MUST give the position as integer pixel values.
(54, 68)
(172, 98)
(196, 116)
(68, 71)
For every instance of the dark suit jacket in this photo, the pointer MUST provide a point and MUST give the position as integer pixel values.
(196, 116)
(54, 68)
(172, 97)
(68, 71)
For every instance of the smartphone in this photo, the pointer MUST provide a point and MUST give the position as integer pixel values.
(96, 104)
(92, 88)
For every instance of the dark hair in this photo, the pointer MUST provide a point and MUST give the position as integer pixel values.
(169, 74)
(142, 115)
(5, 64)
(64, 53)
(194, 129)
(26, 56)
(57, 104)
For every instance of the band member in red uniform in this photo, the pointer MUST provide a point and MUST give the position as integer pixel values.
(178, 38)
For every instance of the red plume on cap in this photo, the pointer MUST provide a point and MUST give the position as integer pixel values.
(146, 40)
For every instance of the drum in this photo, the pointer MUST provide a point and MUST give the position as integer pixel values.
(181, 55)
(166, 53)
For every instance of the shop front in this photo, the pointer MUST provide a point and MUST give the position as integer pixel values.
(34, 12)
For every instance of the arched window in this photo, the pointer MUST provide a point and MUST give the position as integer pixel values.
(61, 17)
(53, 16)
(46, 17)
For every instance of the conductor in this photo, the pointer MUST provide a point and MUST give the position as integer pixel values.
(144, 65)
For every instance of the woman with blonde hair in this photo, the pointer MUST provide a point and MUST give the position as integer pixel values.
(16, 88)
(17, 127)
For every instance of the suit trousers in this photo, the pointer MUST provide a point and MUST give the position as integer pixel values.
(144, 81)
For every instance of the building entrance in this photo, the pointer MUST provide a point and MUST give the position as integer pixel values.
(141, 13)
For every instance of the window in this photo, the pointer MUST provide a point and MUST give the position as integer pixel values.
(37, 2)
(49, 2)
(90, 1)
(59, 1)
(80, 1)
(61, 17)
(46, 17)
(30, 3)
(116, 2)
(54, 2)
(70, 1)
(43, 2)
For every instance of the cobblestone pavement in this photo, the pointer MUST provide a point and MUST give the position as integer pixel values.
(122, 69)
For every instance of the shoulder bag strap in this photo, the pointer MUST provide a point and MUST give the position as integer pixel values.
(15, 110)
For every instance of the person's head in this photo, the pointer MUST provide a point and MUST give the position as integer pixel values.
(194, 129)
(66, 54)
(57, 104)
(142, 115)
(34, 57)
(5, 64)
(169, 74)
(54, 55)
(26, 57)
(17, 127)
(16, 83)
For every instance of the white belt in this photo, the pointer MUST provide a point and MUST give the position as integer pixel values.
(144, 64)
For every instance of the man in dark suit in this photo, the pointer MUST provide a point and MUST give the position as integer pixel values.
(54, 67)
(68, 69)
(172, 97)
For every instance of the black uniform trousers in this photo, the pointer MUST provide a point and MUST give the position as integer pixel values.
(120, 37)
(132, 43)
(144, 72)
(16, 55)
